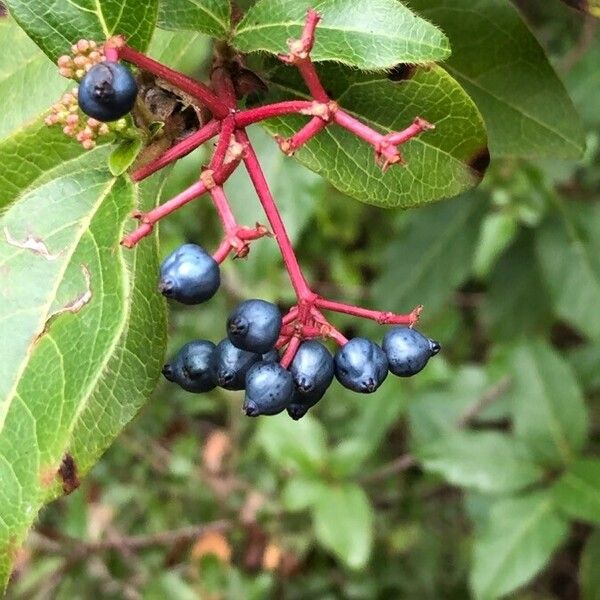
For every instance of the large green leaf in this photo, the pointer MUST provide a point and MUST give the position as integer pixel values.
(568, 247)
(85, 323)
(343, 519)
(548, 408)
(490, 462)
(28, 80)
(208, 16)
(55, 26)
(517, 540)
(496, 58)
(360, 33)
(577, 492)
(440, 163)
(431, 257)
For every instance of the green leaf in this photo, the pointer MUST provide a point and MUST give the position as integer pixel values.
(548, 409)
(124, 155)
(212, 17)
(568, 249)
(497, 232)
(343, 520)
(577, 492)
(358, 33)
(513, 305)
(583, 80)
(490, 462)
(29, 82)
(55, 27)
(505, 70)
(301, 492)
(431, 256)
(589, 574)
(85, 323)
(300, 445)
(517, 540)
(591, 7)
(440, 163)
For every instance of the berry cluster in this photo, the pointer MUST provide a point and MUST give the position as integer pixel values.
(275, 358)
(249, 357)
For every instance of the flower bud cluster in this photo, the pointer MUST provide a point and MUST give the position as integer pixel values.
(75, 124)
(85, 54)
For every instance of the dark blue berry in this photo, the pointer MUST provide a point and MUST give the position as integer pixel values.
(408, 350)
(107, 91)
(192, 368)
(189, 275)
(361, 365)
(254, 325)
(312, 367)
(301, 403)
(271, 356)
(269, 389)
(230, 365)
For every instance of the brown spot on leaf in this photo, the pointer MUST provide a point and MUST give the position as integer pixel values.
(402, 72)
(480, 162)
(68, 474)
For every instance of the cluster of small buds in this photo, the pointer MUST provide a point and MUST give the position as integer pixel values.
(86, 53)
(75, 124)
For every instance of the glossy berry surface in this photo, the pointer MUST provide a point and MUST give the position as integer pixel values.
(271, 356)
(107, 91)
(189, 275)
(254, 325)
(191, 368)
(408, 351)
(269, 389)
(312, 367)
(230, 365)
(361, 365)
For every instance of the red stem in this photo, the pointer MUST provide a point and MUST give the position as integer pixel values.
(223, 209)
(223, 144)
(419, 125)
(179, 150)
(309, 131)
(190, 86)
(290, 352)
(261, 186)
(260, 113)
(311, 78)
(386, 318)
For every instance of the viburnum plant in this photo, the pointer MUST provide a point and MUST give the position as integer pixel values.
(351, 89)
(107, 93)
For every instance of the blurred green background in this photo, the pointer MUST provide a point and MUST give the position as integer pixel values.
(356, 501)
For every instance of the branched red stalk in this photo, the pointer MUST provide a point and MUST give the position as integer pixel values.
(179, 150)
(304, 320)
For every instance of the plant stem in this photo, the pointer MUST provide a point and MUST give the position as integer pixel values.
(261, 186)
(278, 109)
(190, 86)
(179, 150)
(384, 318)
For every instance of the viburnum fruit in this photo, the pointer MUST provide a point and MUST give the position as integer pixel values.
(254, 325)
(191, 367)
(301, 403)
(269, 389)
(408, 351)
(189, 275)
(312, 367)
(230, 365)
(107, 91)
(361, 365)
